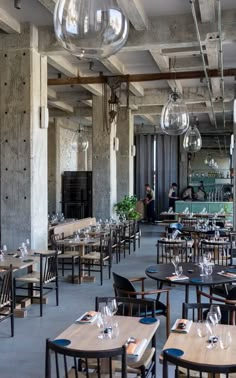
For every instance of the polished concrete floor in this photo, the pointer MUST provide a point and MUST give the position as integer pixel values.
(23, 355)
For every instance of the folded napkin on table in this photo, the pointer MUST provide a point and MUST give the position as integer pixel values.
(227, 274)
(178, 278)
(182, 326)
(87, 317)
(136, 348)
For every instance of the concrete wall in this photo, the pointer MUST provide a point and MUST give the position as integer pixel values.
(61, 157)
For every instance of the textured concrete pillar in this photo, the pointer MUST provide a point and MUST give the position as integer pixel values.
(104, 164)
(234, 177)
(52, 166)
(183, 166)
(23, 83)
(125, 162)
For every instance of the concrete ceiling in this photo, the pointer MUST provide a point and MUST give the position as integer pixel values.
(162, 38)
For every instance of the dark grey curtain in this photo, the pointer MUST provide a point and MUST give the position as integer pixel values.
(144, 163)
(166, 169)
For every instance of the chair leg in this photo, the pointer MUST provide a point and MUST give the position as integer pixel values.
(12, 324)
(73, 270)
(41, 300)
(57, 292)
(79, 271)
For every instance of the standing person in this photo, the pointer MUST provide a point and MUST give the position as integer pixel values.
(188, 193)
(150, 203)
(172, 195)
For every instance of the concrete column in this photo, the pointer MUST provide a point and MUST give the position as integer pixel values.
(183, 166)
(52, 164)
(23, 83)
(234, 177)
(125, 162)
(104, 164)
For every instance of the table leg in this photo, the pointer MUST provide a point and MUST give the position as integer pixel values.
(186, 293)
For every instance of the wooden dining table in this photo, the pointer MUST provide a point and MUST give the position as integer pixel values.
(195, 347)
(85, 336)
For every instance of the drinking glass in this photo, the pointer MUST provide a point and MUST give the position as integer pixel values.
(201, 264)
(216, 309)
(4, 248)
(225, 339)
(112, 304)
(217, 234)
(212, 320)
(175, 261)
(179, 271)
(201, 328)
(208, 269)
(105, 321)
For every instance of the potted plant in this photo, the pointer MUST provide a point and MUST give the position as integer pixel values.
(127, 208)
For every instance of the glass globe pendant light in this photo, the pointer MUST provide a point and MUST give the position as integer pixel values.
(79, 142)
(90, 29)
(192, 139)
(174, 116)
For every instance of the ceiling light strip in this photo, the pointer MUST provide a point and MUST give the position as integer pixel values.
(221, 60)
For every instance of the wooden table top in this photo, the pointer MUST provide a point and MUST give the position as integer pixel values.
(195, 347)
(79, 242)
(85, 336)
(17, 262)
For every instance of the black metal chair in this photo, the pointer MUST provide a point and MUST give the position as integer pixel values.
(194, 367)
(123, 287)
(40, 281)
(136, 307)
(67, 259)
(220, 251)
(130, 237)
(7, 297)
(168, 249)
(96, 261)
(198, 311)
(65, 362)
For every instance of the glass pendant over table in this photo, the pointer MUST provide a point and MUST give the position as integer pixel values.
(192, 139)
(174, 116)
(90, 29)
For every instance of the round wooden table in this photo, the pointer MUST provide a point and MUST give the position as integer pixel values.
(163, 271)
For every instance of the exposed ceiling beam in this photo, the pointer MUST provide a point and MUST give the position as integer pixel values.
(8, 23)
(77, 112)
(163, 64)
(207, 10)
(62, 106)
(144, 77)
(95, 89)
(52, 94)
(135, 12)
(163, 32)
(150, 119)
(194, 108)
(63, 65)
(114, 65)
(49, 4)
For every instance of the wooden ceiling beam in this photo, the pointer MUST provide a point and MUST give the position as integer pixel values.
(143, 77)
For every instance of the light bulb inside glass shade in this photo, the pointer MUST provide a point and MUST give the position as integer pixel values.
(174, 116)
(90, 29)
(79, 143)
(192, 139)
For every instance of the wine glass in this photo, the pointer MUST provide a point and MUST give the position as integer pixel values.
(201, 328)
(179, 271)
(112, 304)
(217, 234)
(104, 321)
(212, 320)
(216, 309)
(175, 261)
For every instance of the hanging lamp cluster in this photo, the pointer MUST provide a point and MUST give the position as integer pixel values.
(175, 121)
(90, 29)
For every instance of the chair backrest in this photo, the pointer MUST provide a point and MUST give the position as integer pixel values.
(220, 252)
(198, 311)
(122, 286)
(6, 287)
(48, 267)
(62, 361)
(167, 249)
(130, 306)
(106, 245)
(193, 367)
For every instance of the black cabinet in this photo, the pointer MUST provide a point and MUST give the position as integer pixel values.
(77, 194)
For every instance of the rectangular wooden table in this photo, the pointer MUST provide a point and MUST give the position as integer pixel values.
(85, 336)
(195, 347)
